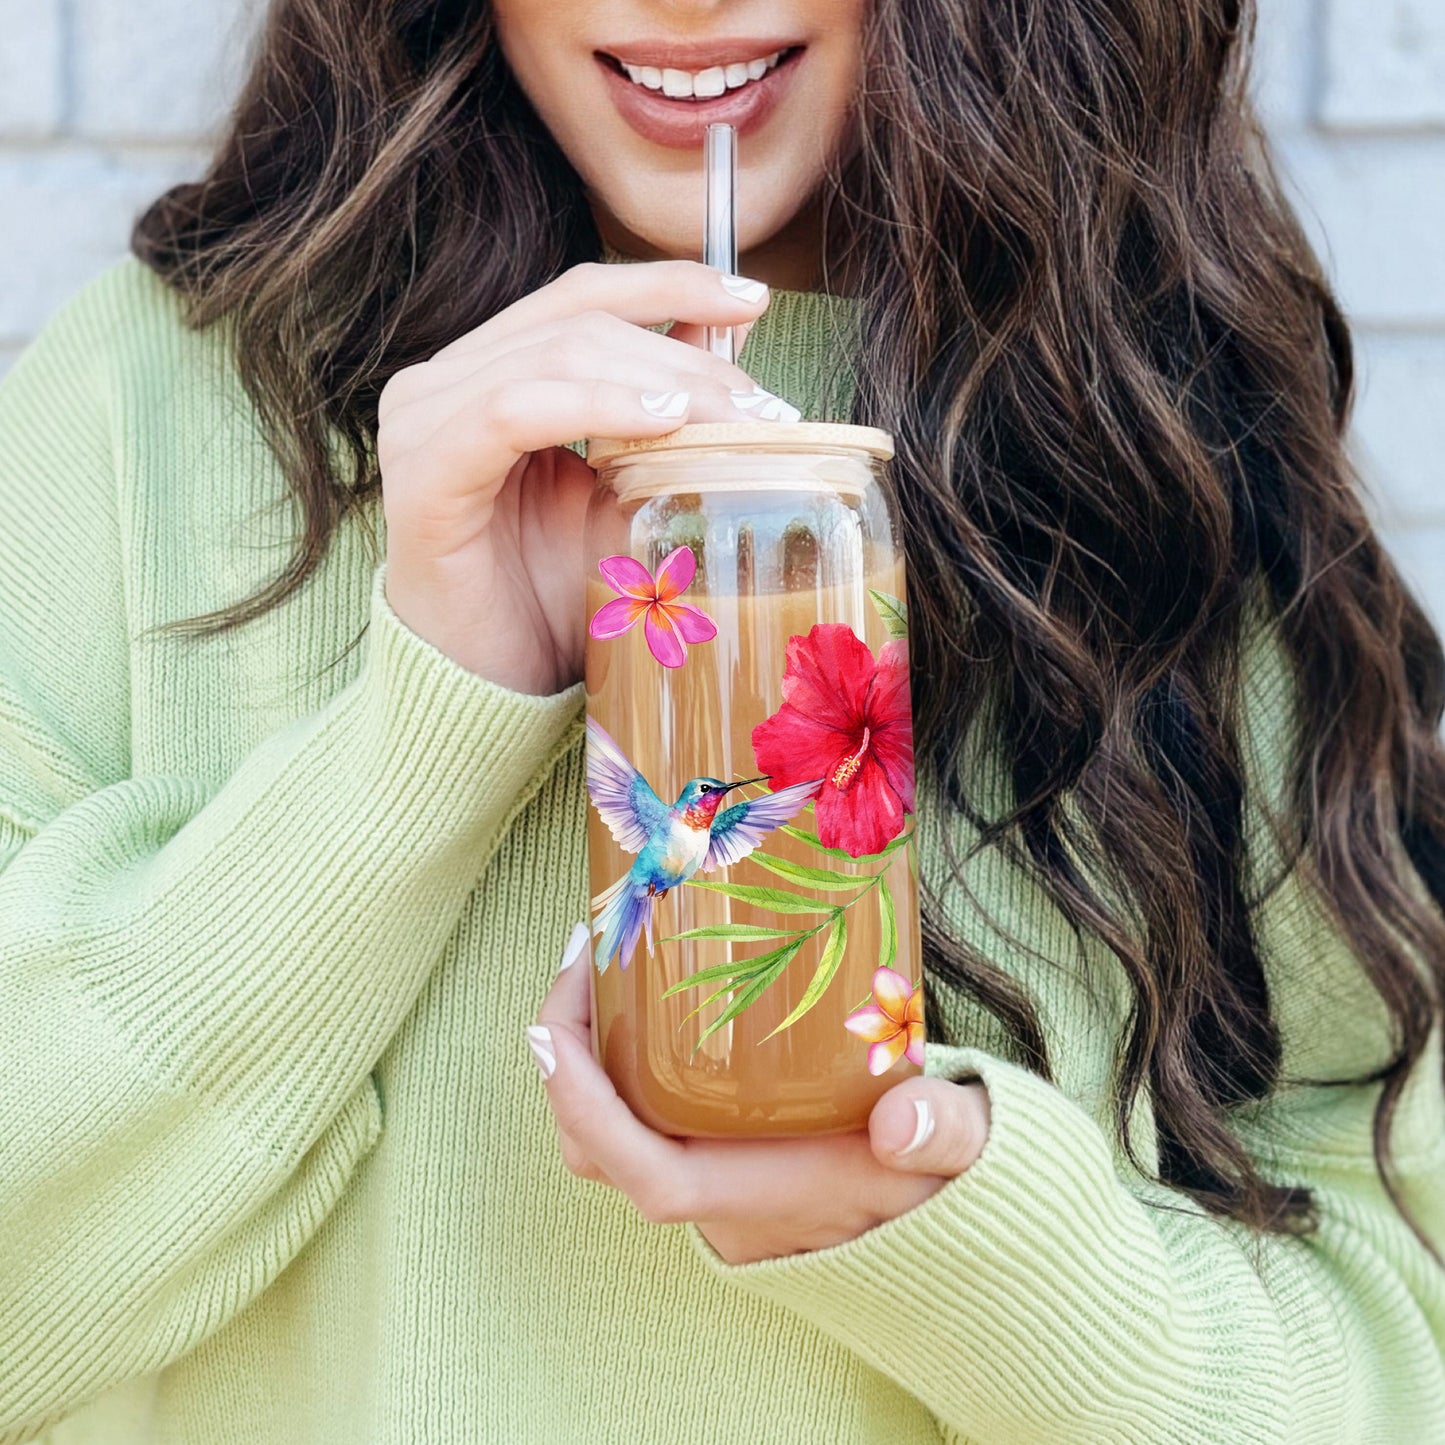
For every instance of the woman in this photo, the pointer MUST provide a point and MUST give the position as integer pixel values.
(275, 910)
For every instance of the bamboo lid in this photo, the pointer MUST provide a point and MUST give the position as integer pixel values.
(762, 436)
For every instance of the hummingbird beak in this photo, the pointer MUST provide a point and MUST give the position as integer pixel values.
(746, 783)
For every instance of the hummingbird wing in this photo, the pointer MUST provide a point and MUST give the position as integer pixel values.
(619, 792)
(736, 831)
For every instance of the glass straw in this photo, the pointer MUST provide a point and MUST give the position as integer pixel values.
(720, 234)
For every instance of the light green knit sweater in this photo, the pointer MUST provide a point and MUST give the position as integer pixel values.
(276, 1165)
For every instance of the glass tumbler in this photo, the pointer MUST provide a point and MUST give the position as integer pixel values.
(756, 961)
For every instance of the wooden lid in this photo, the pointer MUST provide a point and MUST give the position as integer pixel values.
(763, 436)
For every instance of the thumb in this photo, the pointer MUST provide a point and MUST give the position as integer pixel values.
(930, 1126)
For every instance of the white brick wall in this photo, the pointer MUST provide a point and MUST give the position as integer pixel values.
(105, 102)
(1354, 91)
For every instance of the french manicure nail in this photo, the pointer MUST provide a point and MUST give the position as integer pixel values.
(743, 288)
(539, 1040)
(922, 1130)
(666, 404)
(765, 406)
(576, 943)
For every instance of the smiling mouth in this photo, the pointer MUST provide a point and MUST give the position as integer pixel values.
(709, 83)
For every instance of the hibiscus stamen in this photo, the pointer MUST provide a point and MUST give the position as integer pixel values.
(848, 769)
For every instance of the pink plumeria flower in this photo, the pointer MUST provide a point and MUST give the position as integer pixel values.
(668, 625)
(892, 1023)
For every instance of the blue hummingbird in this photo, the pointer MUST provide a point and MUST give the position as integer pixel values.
(671, 843)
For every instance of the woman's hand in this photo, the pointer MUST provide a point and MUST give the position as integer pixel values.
(751, 1199)
(484, 503)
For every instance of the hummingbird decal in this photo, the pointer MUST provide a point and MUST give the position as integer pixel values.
(671, 843)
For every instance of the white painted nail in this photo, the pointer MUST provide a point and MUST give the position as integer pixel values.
(744, 289)
(765, 406)
(922, 1131)
(539, 1040)
(667, 404)
(576, 945)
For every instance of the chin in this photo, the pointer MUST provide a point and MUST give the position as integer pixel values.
(668, 217)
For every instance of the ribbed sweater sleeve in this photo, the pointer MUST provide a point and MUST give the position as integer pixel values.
(1047, 1296)
(196, 980)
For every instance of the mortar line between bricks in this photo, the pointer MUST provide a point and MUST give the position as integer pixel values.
(1425, 328)
(1380, 130)
(1316, 66)
(120, 147)
(65, 23)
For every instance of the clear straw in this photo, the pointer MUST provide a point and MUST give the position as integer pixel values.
(720, 236)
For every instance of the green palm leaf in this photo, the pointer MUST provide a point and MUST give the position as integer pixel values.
(774, 898)
(753, 991)
(887, 926)
(735, 971)
(893, 612)
(824, 878)
(729, 987)
(813, 841)
(827, 968)
(729, 930)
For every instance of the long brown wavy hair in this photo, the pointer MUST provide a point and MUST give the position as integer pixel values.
(1120, 386)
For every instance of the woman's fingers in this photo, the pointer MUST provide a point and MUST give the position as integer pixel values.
(671, 1180)
(722, 1183)
(659, 366)
(553, 395)
(930, 1126)
(569, 1007)
(512, 418)
(696, 336)
(581, 347)
(646, 294)
(421, 399)
(577, 1161)
(598, 1127)
(572, 360)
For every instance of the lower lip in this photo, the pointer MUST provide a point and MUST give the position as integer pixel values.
(683, 123)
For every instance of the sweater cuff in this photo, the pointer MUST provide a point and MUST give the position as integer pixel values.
(1026, 1293)
(430, 703)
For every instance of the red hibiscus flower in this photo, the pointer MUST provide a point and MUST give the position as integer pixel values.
(845, 717)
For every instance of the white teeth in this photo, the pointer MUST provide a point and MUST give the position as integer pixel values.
(709, 83)
(706, 84)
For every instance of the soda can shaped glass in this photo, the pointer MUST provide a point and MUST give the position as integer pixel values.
(756, 958)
